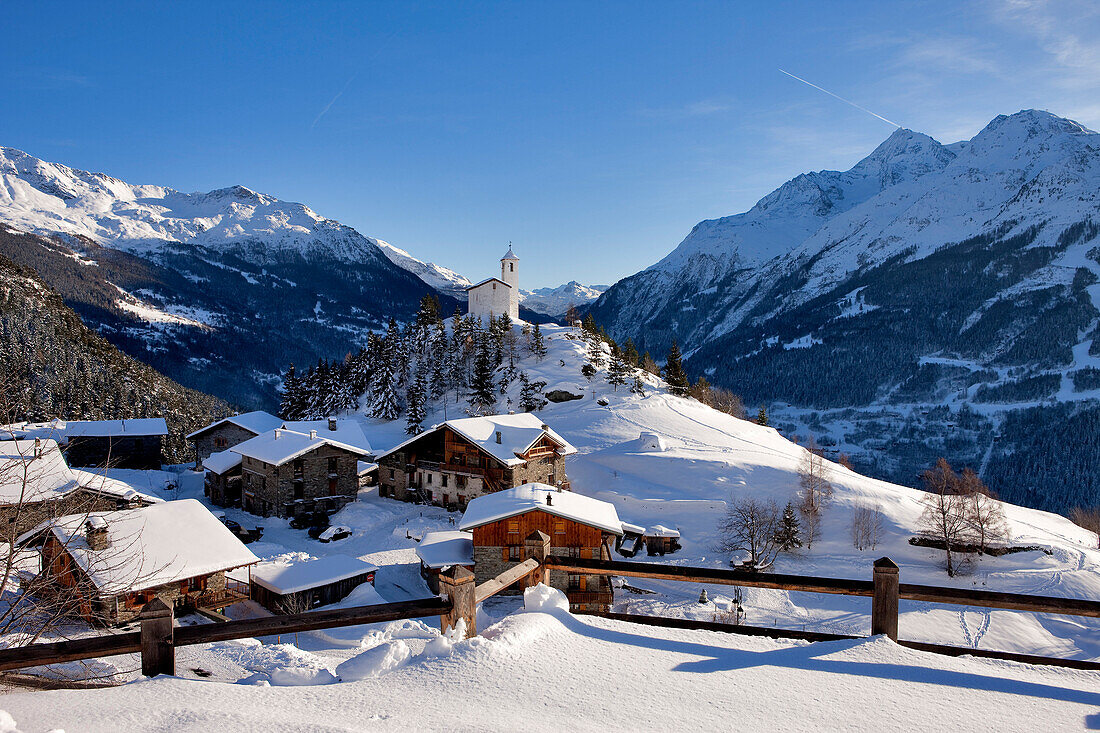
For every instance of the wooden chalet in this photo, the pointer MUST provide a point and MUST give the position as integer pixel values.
(578, 526)
(105, 566)
(297, 587)
(459, 460)
(661, 540)
(441, 550)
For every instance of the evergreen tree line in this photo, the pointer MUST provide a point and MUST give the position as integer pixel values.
(430, 362)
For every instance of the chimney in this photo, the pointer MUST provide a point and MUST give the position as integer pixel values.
(278, 433)
(549, 500)
(313, 435)
(544, 426)
(332, 424)
(95, 531)
(498, 437)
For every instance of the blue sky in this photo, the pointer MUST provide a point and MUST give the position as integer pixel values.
(592, 135)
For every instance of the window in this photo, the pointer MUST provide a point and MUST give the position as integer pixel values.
(391, 473)
(299, 489)
(333, 465)
(298, 464)
(572, 552)
(461, 500)
(574, 582)
(513, 527)
(429, 479)
(220, 442)
(513, 552)
(550, 479)
(444, 480)
(559, 527)
(332, 489)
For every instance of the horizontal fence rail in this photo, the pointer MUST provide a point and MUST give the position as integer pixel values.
(809, 584)
(131, 642)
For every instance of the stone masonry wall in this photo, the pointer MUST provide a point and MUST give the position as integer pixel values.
(207, 444)
(275, 484)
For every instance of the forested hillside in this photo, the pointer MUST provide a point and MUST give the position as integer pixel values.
(55, 366)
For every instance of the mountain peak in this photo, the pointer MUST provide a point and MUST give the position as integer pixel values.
(905, 155)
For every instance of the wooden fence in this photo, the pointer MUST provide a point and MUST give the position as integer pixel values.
(459, 595)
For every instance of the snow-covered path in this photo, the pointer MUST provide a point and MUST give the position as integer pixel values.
(552, 671)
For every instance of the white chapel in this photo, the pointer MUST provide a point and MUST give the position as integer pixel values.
(495, 296)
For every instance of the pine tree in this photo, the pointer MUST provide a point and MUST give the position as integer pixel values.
(482, 393)
(630, 353)
(438, 377)
(414, 404)
(789, 535)
(290, 404)
(762, 416)
(638, 386)
(617, 372)
(530, 394)
(538, 344)
(674, 372)
(595, 350)
(588, 371)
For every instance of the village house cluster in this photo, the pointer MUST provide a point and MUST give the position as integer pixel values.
(106, 550)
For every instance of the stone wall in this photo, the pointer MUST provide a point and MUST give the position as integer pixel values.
(392, 479)
(273, 487)
(15, 519)
(227, 434)
(113, 609)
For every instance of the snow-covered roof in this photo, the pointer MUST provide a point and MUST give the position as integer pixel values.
(365, 467)
(255, 422)
(283, 578)
(659, 530)
(62, 430)
(348, 431)
(28, 475)
(278, 446)
(488, 280)
(444, 549)
(163, 543)
(100, 483)
(222, 461)
(517, 434)
(530, 497)
(131, 428)
(629, 528)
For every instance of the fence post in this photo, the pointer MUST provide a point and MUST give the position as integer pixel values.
(537, 547)
(457, 584)
(884, 598)
(158, 650)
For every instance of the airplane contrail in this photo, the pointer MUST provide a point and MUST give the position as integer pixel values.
(333, 100)
(842, 99)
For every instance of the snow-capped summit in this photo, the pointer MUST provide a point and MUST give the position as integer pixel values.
(556, 301)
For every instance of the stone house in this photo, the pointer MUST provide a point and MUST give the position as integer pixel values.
(456, 461)
(36, 485)
(578, 526)
(223, 434)
(286, 473)
(105, 566)
(223, 478)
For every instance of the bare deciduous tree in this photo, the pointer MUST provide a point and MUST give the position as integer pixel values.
(751, 525)
(946, 515)
(815, 489)
(987, 517)
(868, 526)
(1087, 518)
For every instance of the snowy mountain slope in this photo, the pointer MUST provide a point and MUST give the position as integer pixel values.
(192, 283)
(439, 277)
(973, 266)
(712, 457)
(556, 301)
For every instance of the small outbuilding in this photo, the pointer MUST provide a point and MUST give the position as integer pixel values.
(661, 540)
(632, 540)
(297, 587)
(441, 550)
(223, 478)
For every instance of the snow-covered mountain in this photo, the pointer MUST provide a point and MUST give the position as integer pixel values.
(194, 283)
(556, 301)
(442, 279)
(926, 275)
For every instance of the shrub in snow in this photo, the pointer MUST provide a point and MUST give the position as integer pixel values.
(545, 599)
(374, 662)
